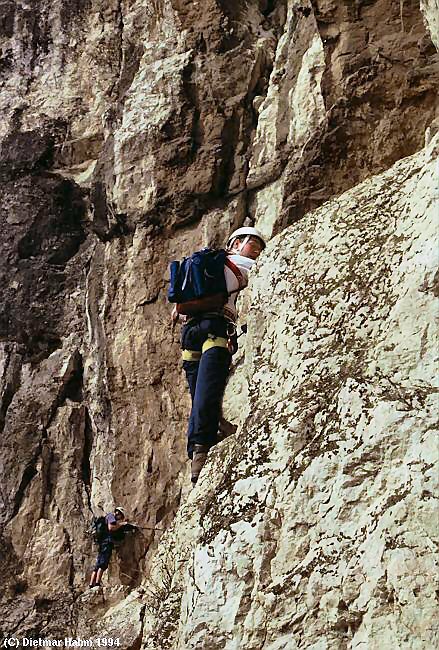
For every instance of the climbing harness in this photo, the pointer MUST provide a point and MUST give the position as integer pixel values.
(191, 355)
(213, 341)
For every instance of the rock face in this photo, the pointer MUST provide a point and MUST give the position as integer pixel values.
(133, 133)
(315, 526)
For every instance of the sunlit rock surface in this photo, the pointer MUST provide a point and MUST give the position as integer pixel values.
(316, 524)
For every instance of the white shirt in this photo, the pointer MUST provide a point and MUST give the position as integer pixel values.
(244, 264)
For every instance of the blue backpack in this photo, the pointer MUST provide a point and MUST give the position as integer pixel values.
(198, 282)
(99, 529)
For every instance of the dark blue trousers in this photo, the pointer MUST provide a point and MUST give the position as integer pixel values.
(104, 554)
(206, 379)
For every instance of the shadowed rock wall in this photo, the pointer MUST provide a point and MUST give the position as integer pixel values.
(132, 133)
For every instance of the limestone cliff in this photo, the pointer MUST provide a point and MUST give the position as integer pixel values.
(132, 133)
(315, 526)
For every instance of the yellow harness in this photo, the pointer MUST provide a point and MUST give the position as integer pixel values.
(211, 342)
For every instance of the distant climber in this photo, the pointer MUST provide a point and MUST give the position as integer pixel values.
(108, 530)
(208, 338)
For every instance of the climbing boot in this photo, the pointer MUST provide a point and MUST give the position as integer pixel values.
(198, 459)
(225, 429)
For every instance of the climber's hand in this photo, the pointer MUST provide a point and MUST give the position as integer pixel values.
(174, 317)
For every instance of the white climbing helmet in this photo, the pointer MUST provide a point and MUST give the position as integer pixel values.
(245, 231)
(121, 510)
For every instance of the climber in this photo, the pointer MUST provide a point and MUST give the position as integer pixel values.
(115, 523)
(208, 341)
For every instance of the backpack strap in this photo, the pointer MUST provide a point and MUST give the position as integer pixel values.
(241, 280)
